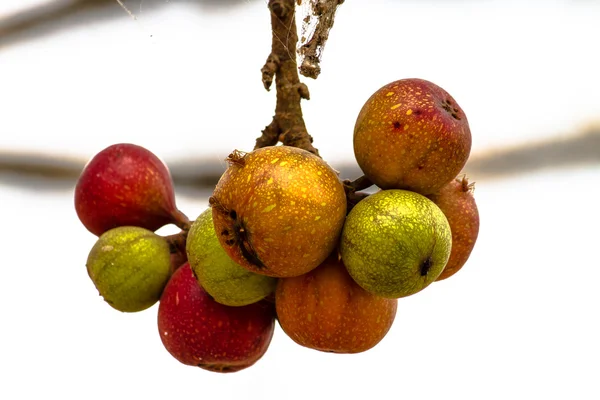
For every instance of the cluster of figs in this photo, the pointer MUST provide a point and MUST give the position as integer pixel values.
(281, 242)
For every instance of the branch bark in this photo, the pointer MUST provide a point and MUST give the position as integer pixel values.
(288, 124)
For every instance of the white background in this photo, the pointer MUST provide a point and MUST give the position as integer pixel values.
(520, 321)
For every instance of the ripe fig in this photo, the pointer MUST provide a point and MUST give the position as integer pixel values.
(226, 281)
(125, 185)
(130, 266)
(278, 210)
(395, 243)
(326, 310)
(198, 331)
(457, 202)
(411, 134)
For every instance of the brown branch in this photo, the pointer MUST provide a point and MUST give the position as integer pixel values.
(288, 124)
(311, 52)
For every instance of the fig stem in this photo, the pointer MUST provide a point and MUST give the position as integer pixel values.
(177, 241)
(353, 196)
(181, 220)
(360, 183)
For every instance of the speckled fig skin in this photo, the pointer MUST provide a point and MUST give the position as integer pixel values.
(279, 210)
(198, 331)
(411, 134)
(130, 266)
(326, 310)
(125, 185)
(457, 202)
(225, 280)
(395, 243)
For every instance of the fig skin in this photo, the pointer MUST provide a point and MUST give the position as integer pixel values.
(411, 134)
(130, 266)
(198, 331)
(125, 185)
(457, 202)
(227, 282)
(327, 311)
(395, 243)
(279, 210)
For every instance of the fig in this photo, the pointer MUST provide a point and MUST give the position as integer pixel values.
(225, 280)
(395, 243)
(457, 202)
(130, 266)
(125, 185)
(411, 134)
(198, 331)
(326, 310)
(279, 210)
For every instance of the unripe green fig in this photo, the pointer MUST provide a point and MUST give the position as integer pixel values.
(130, 266)
(225, 280)
(395, 243)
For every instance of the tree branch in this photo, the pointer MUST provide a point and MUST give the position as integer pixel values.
(288, 124)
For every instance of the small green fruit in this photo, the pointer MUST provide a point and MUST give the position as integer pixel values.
(130, 266)
(227, 282)
(395, 243)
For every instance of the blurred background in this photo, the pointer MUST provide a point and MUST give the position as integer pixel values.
(183, 79)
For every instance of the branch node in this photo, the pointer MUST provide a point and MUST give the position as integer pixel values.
(303, 90)
(269, 70)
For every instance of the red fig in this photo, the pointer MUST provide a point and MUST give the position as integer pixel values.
(458, 205)
(198, 331)
(125, 185)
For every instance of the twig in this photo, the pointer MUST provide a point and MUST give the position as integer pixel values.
(288, 124)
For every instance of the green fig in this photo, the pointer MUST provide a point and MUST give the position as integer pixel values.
(225, 280)
(130, 266)
(395, 243)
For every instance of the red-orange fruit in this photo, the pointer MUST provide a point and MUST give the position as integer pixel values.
(457, 202)
(278, 210)
(411, 134)
(326, 310)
